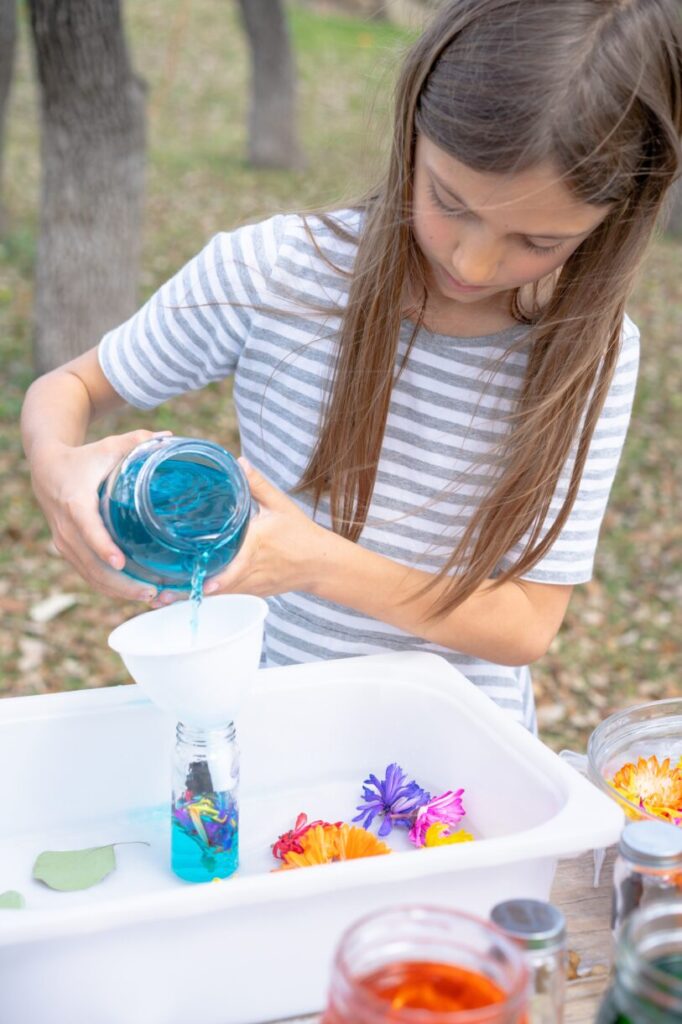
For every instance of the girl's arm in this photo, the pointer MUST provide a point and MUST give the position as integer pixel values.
(66, 473)
(284, 550)
(512, 624)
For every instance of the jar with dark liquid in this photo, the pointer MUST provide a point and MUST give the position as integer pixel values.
(648, 868)
(426, 965)
(178, 508)
(647, 985)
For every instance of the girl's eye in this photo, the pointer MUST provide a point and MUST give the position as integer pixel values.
(546, 249)
(461, 212)
(438, 202)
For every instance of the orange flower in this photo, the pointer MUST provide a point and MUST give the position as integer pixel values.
(326, 844)
(357, 842)
(655, 788)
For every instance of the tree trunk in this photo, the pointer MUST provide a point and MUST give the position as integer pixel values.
(272, 114)
(93, 148)
(673, 222)
(8, 37)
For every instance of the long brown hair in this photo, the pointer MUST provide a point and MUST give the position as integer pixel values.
(595, 87)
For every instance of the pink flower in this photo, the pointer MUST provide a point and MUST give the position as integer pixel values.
(445, 809)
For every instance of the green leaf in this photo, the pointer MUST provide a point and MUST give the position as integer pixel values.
(67, 870)
(11, 900)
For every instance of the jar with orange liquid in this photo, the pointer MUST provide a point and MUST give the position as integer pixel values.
(427, 965)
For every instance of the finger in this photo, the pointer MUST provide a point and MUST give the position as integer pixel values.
(101, 576)
(227, 581)
(167, 597)
(234, 585)
(264, 492)
(111, 450)
(126, 442)
(92, 531)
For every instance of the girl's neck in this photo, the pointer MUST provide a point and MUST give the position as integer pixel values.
(462, 320)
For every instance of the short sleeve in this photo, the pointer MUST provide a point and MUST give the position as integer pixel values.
(193, 329)
(570, 560)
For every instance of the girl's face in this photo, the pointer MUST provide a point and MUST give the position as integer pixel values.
(483, 234)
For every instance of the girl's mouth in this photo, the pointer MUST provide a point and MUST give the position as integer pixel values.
(454, 283)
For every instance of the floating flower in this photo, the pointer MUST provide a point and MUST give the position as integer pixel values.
(394, 799)
(445, 809)
(325, 844)
(211, 820)
(291, 841)
(655, 788)
(440, 834)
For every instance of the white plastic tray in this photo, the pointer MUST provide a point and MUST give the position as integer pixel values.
(92, 767)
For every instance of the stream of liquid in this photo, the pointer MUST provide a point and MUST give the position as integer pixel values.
(196, 592)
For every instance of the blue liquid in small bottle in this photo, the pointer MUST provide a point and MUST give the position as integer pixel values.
(205, 836)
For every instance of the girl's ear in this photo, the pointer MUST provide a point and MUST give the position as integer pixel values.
(531, 299)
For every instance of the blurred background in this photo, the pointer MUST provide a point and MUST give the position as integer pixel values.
(130, 134)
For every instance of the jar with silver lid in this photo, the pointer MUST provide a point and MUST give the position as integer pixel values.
(539, 928)
(648, 868)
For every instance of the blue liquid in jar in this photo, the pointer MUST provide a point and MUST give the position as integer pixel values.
(189, 519)
(204, 836)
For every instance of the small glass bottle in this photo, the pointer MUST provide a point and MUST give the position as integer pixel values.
(177, 507)
(647, 986)
(648, 868)
(452, 967)
(205, 809)
(539, 929)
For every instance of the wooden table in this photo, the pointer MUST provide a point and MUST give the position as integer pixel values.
(588, 918)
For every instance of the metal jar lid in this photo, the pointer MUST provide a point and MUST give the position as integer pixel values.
(653, 844)
(533, 924)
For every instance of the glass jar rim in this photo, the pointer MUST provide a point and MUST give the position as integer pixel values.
(204, 736)
(171, 447)
(376, 1007)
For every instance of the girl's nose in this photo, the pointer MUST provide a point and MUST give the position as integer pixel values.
(475, 262)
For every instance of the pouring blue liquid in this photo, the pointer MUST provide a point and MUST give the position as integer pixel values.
(178, 509)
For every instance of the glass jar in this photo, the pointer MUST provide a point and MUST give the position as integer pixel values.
(426, 965)
(205, 809)
(653, 728)
(178, 508)
(648, 868)
(539, 929)
(647, 986)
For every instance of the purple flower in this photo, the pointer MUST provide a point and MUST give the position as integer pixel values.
(446, 809)
(395, 800)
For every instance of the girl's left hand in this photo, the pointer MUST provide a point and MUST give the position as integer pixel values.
(283, 548)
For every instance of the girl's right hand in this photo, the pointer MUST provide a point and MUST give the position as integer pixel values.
(66, 481)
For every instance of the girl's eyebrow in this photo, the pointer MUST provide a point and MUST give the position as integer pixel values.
(532, 234)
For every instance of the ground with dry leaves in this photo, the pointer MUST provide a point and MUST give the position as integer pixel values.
(621, 642)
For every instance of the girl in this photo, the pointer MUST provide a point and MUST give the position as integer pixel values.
(433, 387)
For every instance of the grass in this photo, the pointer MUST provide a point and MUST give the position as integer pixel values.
(621, 642)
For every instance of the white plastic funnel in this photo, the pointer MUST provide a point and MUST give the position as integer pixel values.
(199, 680)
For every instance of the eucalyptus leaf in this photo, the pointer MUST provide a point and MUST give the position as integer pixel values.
(68, 870)
(12, 900)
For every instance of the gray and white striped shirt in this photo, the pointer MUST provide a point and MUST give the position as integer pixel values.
(246, 306)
